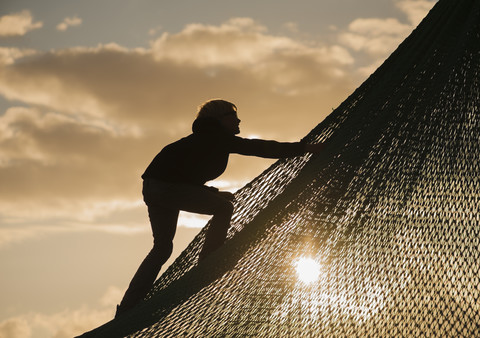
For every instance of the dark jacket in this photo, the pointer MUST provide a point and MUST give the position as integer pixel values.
(203, 155)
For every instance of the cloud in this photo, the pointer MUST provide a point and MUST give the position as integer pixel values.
(8, 55)
(292, 27)
(154, 31)
(21, 229)
(112, 297)
(377, 38)
(18, 24)
(69, 22)
(415, 10)
(15, 328)
(240, 43)
(70, 323)
(64, 324)
(56, 168)
(190, 220)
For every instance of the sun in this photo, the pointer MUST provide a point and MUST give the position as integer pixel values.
(308, 270)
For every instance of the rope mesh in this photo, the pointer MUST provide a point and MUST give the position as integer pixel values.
(389, 211)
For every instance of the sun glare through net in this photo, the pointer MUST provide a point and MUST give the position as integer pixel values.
(308, 270)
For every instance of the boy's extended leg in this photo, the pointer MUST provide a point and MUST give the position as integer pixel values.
(164, 222)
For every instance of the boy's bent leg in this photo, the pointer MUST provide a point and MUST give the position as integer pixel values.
(163, 223)
(217, 231)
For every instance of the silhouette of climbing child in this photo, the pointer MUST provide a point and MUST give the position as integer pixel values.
(175, 180)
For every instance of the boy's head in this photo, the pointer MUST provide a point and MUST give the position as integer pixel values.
(223, 111)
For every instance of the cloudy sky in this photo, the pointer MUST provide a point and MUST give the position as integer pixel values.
(91, 90)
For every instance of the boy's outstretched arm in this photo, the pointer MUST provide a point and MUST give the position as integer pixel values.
(314, 148)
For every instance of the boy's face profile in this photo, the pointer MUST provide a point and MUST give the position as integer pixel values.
(231, 123)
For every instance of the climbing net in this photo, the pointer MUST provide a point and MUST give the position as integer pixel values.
(387, 215)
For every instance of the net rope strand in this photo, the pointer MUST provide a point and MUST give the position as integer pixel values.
(389, 211)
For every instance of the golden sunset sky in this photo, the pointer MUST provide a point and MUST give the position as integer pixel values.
(90, 91)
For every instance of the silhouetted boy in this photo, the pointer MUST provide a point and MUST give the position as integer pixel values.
(175, 180)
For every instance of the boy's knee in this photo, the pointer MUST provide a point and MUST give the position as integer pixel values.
(162, 250)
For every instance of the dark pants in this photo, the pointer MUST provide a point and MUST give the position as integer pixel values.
(164, 201)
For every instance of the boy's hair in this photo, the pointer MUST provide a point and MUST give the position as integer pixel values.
(215, 108)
